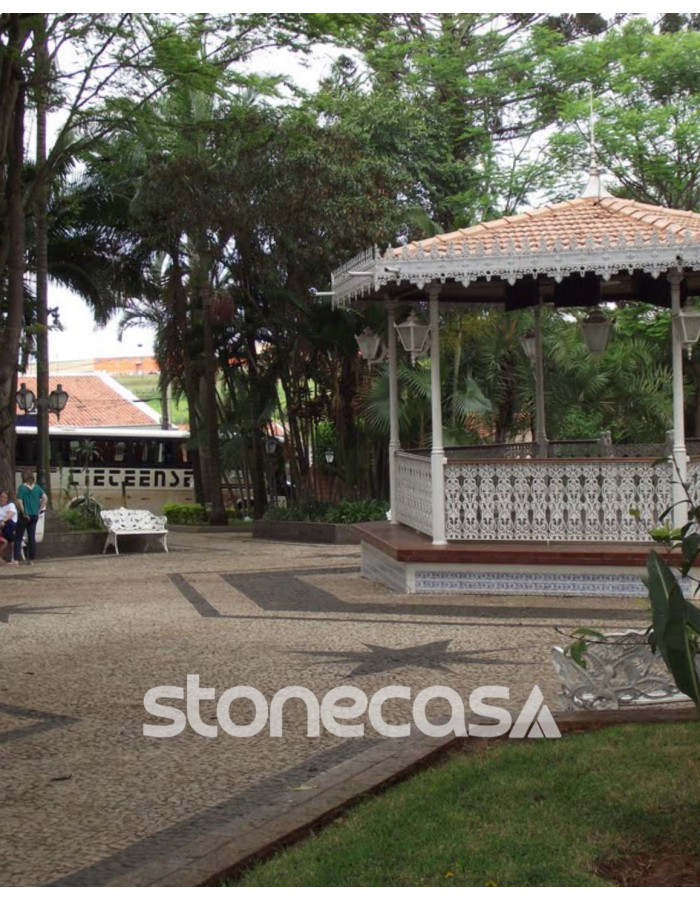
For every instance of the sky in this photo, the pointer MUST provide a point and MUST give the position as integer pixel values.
(81, 340)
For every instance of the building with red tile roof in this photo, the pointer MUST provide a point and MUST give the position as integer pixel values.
(96, 400)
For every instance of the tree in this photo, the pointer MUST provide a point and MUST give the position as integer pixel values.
(646, 90)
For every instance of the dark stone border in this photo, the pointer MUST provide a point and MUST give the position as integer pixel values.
(304, 532)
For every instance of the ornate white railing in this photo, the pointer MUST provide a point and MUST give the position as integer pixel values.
(577, 500)
(414, 502)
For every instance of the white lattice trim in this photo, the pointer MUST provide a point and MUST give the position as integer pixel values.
(536, 500)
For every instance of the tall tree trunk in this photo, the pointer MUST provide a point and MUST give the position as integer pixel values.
(40, 204)
(11, 331)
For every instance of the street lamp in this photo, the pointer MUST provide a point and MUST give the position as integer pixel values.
(414, 336)
(57, 400)
(330, 456)
(596, 329)
(26, 399)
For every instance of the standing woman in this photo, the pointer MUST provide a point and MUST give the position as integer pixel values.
(8, 523)
(31, 500)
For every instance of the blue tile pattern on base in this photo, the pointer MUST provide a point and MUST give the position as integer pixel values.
(410, 577)
(435, 581)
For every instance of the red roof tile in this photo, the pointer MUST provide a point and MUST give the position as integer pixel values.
(97, 401)
(599, 220)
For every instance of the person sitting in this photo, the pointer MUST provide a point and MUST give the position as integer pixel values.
(8, 524)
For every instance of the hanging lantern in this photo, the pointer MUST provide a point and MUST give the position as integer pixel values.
(528, 343)
(686, 324)
(370, 344)
(596, 329)
(414, 336)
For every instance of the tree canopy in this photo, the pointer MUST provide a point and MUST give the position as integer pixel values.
(187, 186)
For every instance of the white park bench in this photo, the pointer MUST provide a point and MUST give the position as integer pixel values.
(134, 522)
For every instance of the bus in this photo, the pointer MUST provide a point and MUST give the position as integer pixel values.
(142, 468)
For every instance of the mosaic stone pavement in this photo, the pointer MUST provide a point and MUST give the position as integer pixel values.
(85, 796)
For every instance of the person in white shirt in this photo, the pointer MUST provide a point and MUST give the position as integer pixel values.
(8, 524)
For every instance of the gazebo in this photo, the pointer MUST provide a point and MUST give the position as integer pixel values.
(529, 524)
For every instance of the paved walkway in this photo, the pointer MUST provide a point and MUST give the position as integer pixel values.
(87, 799)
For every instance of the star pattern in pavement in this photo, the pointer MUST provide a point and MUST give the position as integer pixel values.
(434, 655)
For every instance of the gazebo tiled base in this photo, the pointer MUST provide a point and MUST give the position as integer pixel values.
(409, 563)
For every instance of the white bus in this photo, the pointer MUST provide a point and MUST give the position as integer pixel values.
(142, 468)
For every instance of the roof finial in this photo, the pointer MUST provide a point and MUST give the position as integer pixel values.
(591, 129)
(594, 188)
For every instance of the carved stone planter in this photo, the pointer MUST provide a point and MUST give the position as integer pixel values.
(622, 672)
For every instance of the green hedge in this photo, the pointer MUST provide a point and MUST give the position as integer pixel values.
(194, 514)
(347, 512)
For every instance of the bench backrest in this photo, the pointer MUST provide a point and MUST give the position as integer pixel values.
(133, 520)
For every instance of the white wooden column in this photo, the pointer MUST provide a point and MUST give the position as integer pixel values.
(437, 453)
(679, 452)
(394, 438)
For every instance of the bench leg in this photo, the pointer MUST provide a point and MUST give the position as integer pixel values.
(164, 539)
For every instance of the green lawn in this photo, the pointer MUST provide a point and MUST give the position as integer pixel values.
(146, 388)
(545, 812)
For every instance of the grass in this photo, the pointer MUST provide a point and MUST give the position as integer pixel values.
(146, 388)
(544, 813)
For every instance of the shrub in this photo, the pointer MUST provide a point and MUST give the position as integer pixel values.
(81, 516)
(313, 511)
(347, 512)
(185, 514)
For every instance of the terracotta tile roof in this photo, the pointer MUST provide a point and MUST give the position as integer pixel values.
(597, 220)
(97, 401)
